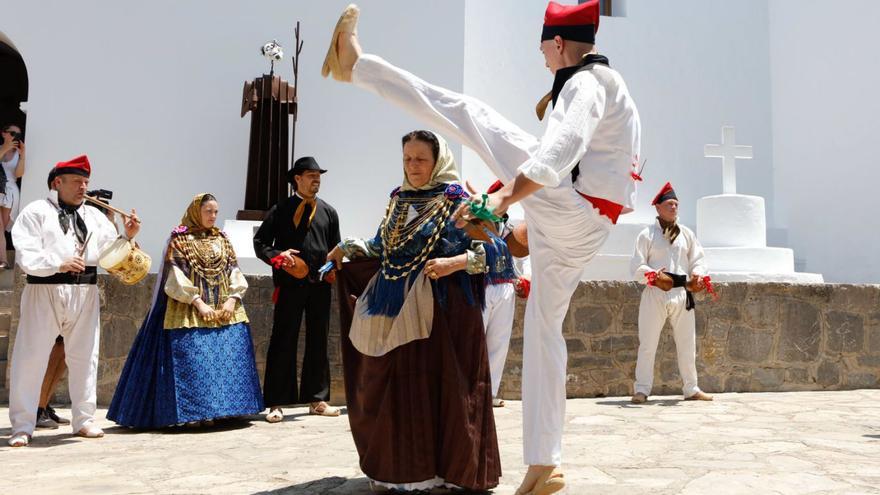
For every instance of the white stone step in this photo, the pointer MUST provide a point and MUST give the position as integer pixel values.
(763, 277)
(241, 235)
(608, 267)
(750, 259)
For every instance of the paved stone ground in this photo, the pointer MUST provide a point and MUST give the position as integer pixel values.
(774, 443)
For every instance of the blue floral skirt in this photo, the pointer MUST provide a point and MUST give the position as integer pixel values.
(189, 374)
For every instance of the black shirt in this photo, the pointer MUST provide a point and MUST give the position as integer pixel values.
(313, 241)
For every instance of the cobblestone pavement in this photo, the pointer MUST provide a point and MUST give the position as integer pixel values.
(774, 443)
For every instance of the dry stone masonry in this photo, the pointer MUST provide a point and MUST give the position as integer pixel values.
(757, 337)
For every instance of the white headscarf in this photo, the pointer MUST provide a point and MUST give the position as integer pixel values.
(444, 171)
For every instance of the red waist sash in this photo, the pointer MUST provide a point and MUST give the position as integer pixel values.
(608, 208)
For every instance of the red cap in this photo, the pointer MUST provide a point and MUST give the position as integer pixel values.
(78, 166)
(572, 22)
(495, 187)
(666, 193)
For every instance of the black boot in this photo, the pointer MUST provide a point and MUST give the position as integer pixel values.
(54, 417)
(44, 422)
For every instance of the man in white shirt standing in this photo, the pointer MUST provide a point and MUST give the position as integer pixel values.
(573, 182)
(58, 241)
(669, 259)
(505, 281)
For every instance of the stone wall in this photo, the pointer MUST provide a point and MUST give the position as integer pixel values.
(123, 308)
(123, 313)
(755, 337)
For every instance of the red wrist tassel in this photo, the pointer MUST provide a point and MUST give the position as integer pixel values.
(651, 276)
(277, 262)
(525, 287)
(707, 281)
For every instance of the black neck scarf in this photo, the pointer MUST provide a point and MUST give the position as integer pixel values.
(68, 213)
(563, 75)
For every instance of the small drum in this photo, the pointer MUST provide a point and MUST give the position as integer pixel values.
(518, 241)
(475, 229)
(125, 261)
(299, 269)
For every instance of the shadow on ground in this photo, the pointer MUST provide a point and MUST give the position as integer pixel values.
(627, 403)
(336, 485)
(46, 438)
(343, 411)
(230, 424)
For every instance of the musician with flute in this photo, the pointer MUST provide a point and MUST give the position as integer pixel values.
(58, 242)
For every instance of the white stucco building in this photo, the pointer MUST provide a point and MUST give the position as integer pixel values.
(151, 91)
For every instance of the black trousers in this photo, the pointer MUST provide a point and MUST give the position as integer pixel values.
(279, 386)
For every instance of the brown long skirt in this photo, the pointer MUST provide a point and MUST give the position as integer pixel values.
(425, 408)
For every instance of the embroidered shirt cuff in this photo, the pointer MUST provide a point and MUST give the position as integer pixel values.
(476, 259)
(237, 284)
(357, 248)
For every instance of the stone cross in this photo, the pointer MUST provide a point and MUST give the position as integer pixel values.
(728, 151)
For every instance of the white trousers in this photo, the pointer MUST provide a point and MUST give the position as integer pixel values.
(565, 232)
(47, 311)
(498, 323)
(655, 308)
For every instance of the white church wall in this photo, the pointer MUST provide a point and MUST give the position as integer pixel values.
(151, 91)
(691, 66)
(825, 105)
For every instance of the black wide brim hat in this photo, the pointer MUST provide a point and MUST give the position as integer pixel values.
(303, 164)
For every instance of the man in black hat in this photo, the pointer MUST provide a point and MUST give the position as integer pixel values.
(295, 237)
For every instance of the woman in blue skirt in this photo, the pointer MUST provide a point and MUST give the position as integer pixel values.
(193, 359)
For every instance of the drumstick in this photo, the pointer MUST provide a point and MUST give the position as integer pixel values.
(85, 243)
(105, 205)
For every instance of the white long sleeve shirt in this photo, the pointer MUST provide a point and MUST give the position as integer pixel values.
(40, 244)
(653, 252)
(594, 122)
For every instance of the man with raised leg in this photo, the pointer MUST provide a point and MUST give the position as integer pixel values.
(573, 182)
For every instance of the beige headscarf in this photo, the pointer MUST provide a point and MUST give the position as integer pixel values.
(192, 219)
(444, 171)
